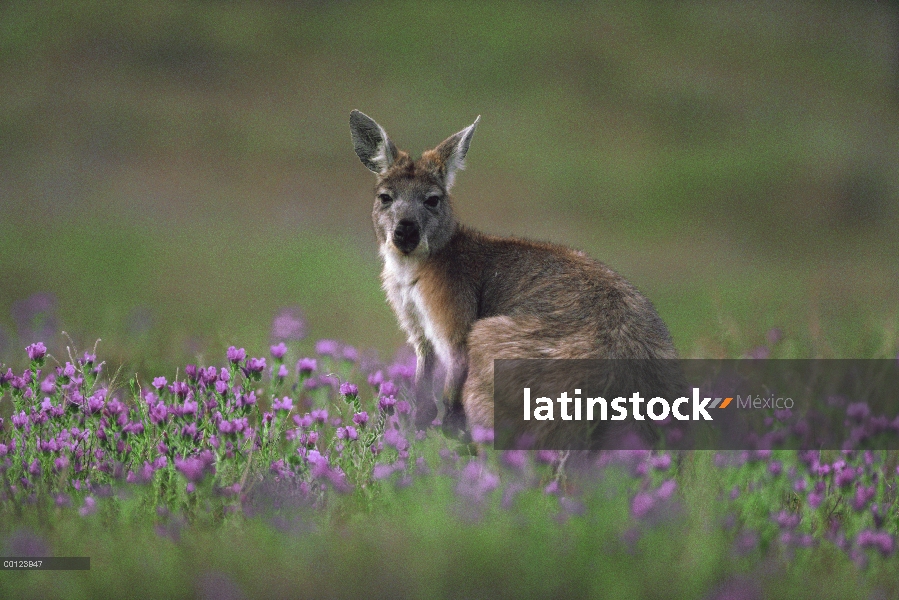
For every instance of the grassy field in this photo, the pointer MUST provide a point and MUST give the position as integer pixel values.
(174, 175)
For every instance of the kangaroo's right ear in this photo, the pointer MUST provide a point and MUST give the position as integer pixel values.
(371, 143)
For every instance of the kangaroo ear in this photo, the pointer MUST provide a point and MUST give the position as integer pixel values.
(451, 153)
(371, 143)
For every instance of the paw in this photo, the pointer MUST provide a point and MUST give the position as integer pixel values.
(454, 426)
(425, 413)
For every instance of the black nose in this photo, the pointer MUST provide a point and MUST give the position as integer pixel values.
(406, 236)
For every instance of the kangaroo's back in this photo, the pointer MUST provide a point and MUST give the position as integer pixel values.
(466, 298)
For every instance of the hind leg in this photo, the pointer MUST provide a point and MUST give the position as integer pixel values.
(520, 337)
(491, 339)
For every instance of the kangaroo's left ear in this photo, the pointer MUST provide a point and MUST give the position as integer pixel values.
(449, 156)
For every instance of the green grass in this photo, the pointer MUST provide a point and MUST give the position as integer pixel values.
(175, 173)
(420, 542)
(193, 160)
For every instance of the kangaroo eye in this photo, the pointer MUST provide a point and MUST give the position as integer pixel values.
(432, 201)
(385, 199)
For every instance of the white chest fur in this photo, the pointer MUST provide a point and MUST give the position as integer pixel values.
(400, 276)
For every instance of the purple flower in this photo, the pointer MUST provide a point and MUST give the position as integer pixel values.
(246, 399)
(289, 324)
(319, 415)
(133, 428)
(189, 431)
(36, 352)
(48, 385)
(387, 404)
(641, 505)
(208, 375)
(158, 413)
(285, 404)
(394, 438)
(306, 365)
(236, 355)
(350, 354)
(403, 371)
(881, 540)
(387, 388)
(89, 507)
(787, 520)
(282, 371)
(314, 457)
(666, 489)
(349, 389)
(304, 421)
(95, 403)
(360, 419)
(547, 456)
(278, 351)
(232, 427)
(192, 468)
(403, 408)
(476, 481)
(783, 415)
(845, 477)
(661, 462)
(815, 499)
(115, 407)
(481, 435)
(863, 496)
(382, 471)
(326, 348)
(158, 382)
(255, 365)
(858, 411)
(349, 433)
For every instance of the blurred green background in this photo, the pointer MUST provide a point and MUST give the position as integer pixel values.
(172, 174)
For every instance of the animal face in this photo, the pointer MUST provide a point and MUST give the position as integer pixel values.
(412, 213)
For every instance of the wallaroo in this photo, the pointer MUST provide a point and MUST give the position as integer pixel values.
(466, 298)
